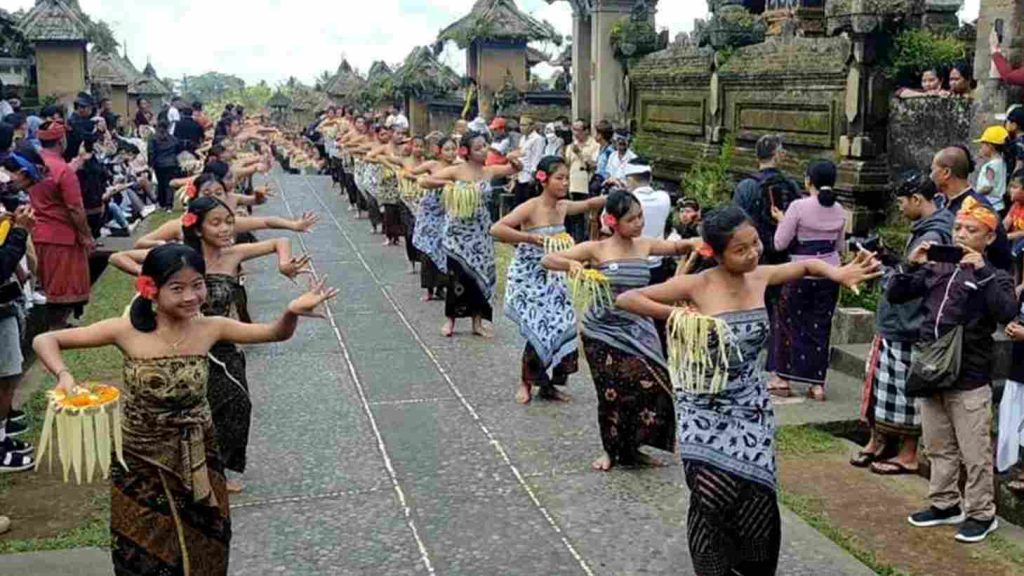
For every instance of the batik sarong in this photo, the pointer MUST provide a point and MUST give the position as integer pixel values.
(371, 179)
(169, 510)
(407, 219)
(805, 321)
(634, 396)
(228, 388)
(429, 232)
(733, 525)
(472, 277)
(538, 302)
(727, 445)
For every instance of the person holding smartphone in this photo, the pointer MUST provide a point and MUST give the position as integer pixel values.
(960, 290)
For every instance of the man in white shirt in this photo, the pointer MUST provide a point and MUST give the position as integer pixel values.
(619, 159)
(581, 155)
(656, 205)
(173, 114)
(532, 147)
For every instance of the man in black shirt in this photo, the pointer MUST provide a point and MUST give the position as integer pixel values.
(188, 131)
(81, 127)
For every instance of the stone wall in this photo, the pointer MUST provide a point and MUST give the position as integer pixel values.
(443, 114)
(919, 127)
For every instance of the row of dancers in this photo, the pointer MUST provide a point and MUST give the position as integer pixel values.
(706, 401)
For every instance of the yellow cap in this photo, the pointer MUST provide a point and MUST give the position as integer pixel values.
(994, 135)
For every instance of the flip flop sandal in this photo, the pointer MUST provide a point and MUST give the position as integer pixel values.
(890, 468)
(1016, 486)
(863, 459)
(781, 391)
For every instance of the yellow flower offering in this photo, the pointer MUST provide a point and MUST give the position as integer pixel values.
(590, 288)
(84, 425)
(693, 364)
(558, 243)
(461, 199)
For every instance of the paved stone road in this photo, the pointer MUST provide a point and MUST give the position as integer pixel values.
(380, 447)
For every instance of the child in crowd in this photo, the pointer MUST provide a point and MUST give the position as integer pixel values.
(1014, 221)
(962, 303)
(992, 177)
(1015, 144)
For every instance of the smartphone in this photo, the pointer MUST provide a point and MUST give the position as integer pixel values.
(999, 29)
(944, 253)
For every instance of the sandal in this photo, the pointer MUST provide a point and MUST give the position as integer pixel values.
(1016, 486)
(863, 459)
(891, 468)
(15, 462)
(816, 393)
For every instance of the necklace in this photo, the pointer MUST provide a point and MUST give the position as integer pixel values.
(174, 345)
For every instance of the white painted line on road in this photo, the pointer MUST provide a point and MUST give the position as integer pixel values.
(307, 498)
(413, 401)
(406, 510)
(455, 390)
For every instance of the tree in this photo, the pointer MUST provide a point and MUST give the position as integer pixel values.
(210, 86)
(324, 80)
(101, 36)
(12, 42)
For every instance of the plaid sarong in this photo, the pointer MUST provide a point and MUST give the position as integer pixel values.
(888, 409)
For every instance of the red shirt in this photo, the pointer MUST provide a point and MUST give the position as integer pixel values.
(1008, 74)
(1016, 217)
(51, 198)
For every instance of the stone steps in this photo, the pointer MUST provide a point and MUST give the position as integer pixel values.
(851, 359)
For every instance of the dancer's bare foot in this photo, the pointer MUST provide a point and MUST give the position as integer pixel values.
(603, 463)
(479, 330)
(387, 242)
(524, 394)
(234, 486)
(449, 328)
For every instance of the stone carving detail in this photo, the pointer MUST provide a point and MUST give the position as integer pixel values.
(730, 25)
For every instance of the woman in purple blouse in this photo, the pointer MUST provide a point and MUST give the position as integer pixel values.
(812, 227)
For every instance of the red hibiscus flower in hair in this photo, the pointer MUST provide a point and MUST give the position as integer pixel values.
(146, 287)
(706, 251)
(609, 220)
(189, 219)
(191, 191)
(542, 176)
(463, 151)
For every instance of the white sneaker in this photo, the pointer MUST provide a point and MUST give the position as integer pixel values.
(146, 211)
(38, 298)
(104, 232)
(132, 226)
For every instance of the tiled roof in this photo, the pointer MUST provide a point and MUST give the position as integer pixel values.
(53, 20)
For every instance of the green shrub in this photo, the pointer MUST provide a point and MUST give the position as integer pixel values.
(917, 50)
(709, 181)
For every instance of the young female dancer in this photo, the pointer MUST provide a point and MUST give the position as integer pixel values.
(414, 154)
(733, 521)
(431, 220)
(623, 350)
(169, 510)
(209, 185)
(209, 230)
(469, 247)
(536, 301)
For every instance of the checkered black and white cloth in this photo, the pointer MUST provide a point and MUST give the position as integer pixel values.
(893, 411)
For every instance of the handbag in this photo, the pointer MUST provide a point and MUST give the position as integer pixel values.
(935, 366)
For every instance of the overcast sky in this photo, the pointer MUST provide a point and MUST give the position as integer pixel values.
(274, 39)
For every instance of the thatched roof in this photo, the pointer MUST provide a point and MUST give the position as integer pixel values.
(423, 75)
(110, 69)
(279, 100)
(379, 70)
(53, 20)
(149, 84)
(534, 56)
(345, 81)
(498, 20)
(305, 98)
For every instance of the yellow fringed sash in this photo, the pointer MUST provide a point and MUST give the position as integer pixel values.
(590, 288)
(461, 199)
(558, 243)
(693, 366)
(84, 425)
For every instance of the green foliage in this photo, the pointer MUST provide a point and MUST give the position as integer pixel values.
(476, 29)
(916, 50)
(805, 440)
(12, 41)
(210, 87)
(868, 299)
(100, 35)
(709, 181)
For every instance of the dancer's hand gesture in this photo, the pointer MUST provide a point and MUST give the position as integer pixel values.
(308, 220)
(307, 304)
(864, 266)
(297, 265)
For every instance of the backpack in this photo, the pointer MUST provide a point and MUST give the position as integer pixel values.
(774, 190)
